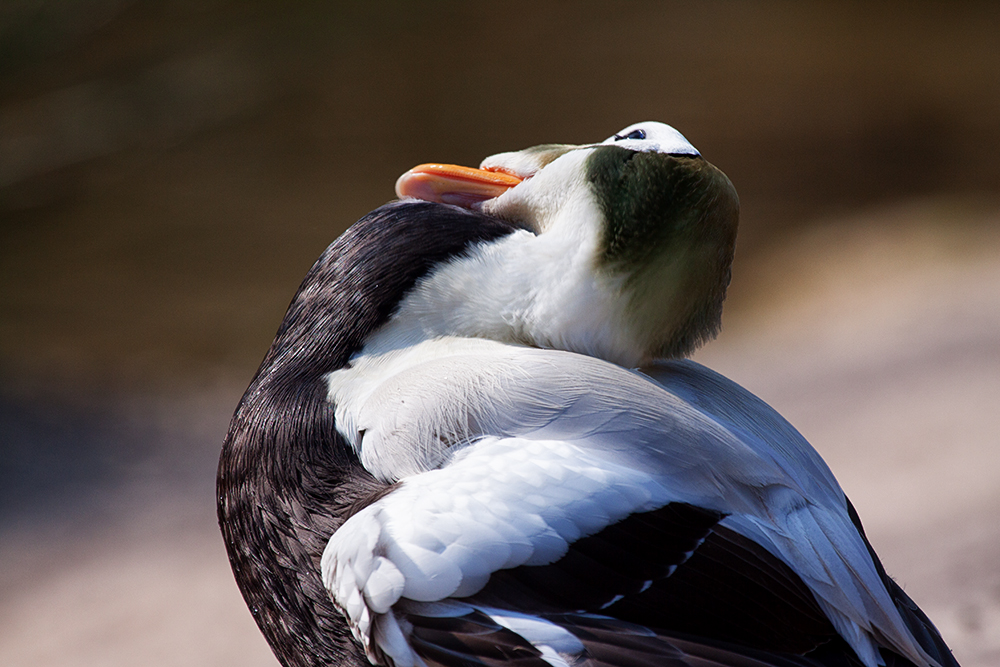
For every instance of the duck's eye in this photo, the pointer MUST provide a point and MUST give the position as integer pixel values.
(634, 134)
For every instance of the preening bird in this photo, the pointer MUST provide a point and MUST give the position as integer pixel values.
(475, 440)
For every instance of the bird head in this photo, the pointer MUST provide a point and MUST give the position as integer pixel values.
(626, 252)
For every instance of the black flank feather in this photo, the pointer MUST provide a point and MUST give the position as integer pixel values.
(286, 479)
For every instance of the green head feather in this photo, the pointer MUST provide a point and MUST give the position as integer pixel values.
(670, 229)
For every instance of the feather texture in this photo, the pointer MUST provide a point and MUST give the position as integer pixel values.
(580, 445)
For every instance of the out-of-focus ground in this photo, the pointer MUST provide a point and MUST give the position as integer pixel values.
(879, 338)
(170, 169)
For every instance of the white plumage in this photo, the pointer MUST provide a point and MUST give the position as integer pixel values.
(542, 447)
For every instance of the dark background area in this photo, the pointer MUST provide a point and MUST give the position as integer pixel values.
(169, 169)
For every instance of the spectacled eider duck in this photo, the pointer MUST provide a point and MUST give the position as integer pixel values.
(474, 441)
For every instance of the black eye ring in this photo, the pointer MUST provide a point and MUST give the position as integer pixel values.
(634, 134)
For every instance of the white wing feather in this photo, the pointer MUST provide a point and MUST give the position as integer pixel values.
(523, 451)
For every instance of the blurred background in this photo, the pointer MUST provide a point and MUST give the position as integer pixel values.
(169, 170)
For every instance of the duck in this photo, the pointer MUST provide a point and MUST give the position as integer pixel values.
(477, 439)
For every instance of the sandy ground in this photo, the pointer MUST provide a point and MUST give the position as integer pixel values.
(883, 348)
(881, 343)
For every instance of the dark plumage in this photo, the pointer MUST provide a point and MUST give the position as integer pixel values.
(286, 479)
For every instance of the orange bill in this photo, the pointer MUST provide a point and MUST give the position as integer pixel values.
(453, 184)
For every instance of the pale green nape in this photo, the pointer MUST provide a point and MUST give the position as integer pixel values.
(670, 228)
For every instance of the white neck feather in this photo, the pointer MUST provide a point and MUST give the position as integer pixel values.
(543, 290)
(540, 291)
